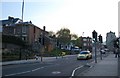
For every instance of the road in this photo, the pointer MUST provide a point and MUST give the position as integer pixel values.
(65, 66)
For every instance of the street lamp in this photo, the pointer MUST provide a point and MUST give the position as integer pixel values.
(20, 55)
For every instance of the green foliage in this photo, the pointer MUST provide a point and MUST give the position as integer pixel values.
(57, 52)
(77, 42)
(64, 35)
(51, 33)
(15, 55)
(74, 37)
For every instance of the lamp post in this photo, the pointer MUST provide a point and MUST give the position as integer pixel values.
(20, 55)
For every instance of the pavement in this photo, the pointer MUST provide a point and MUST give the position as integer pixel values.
(44, 59)
(108, 66)
(119, 66)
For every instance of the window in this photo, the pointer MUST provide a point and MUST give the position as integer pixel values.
(24, 29)
(18, 30)
(90, 39)
(85, 44)
(84, 39)
(24, 38)
(84, 52)
(14, 30)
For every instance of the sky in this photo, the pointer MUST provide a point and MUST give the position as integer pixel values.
(77, 15)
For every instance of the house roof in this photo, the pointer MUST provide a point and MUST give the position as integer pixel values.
(10, 21)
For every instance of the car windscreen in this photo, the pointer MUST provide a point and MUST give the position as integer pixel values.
(83, 52)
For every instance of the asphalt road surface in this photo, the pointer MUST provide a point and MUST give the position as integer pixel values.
(65, 66)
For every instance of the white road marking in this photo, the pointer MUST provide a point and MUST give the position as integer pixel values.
(37, 69)
(24, 72)
(56, 72)
(76, 69)
(17, 73)
(28, 71)
(80, 67)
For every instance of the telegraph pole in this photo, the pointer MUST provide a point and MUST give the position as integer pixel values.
(22, 10)
(20, 56)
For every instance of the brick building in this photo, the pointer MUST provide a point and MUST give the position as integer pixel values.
(86, 43)
(27, 32)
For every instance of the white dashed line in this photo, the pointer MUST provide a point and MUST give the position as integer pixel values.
(24, 72)
(28, 71)
(56, 72)
(18, 73)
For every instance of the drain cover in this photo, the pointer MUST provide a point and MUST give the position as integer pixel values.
(56, 72)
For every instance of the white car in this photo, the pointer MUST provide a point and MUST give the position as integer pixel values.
(84, 55)
(102, 51)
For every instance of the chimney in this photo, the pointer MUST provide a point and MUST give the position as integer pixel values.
(10, 18)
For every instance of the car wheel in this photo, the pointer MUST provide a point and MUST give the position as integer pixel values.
(91, 57)
(87, 58)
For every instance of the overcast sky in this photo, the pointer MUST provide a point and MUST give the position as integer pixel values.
(77, 15)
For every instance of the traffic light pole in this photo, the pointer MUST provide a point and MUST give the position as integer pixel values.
(100, 52)
(95, 53)
(43, 43)
(94, 34)
(42, 49)
(56, 52)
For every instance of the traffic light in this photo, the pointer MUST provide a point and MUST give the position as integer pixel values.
(94, 34)
(100, 39)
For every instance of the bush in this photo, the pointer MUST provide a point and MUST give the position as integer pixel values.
(57, 52)
(13, 40)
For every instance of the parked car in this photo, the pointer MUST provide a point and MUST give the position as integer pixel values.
(103, 51)
(84, 55)
(63, 53)
(107, 50)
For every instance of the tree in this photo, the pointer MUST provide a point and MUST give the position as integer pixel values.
(77, 42)
(64, 35)
(74, 37)
(51, 33)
